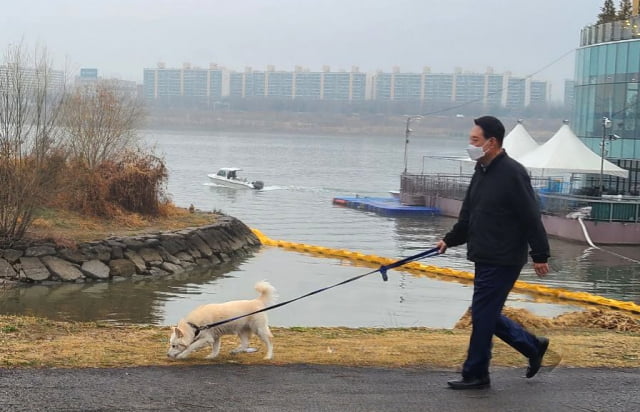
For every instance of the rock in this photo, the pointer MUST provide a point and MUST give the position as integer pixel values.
(95, 269)
(203, 262)
(74, 256)
(122, 267)
(115, 242)
(152, 242)
(184, 257)
(36, 251)
(133, 244)
(151, 256)
(158, 272)
(103, 252)
(170, 267)
(187, 264)
(167, 257)
(134, 257)
(195, 253)
(173, 243)
(62, 268)
(6, 270)
(197, 242)
(210, 237)
(34, 269)
(116, 252)
(12, 255)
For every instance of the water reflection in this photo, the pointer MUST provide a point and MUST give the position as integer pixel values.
(404, 301)
(137, 300)
(574, 266)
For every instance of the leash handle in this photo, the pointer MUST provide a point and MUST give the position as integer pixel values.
(427, 253)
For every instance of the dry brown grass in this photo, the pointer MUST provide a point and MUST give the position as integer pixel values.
(66, 226)
(590, 318)
(35, 342)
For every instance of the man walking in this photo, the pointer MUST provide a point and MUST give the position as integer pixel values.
(499, 220)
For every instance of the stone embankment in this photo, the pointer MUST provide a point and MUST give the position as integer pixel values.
(151, 254)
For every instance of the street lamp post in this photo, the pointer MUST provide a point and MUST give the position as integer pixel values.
(407, 132)
(606, 124)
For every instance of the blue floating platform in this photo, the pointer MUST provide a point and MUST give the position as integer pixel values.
(386, 206)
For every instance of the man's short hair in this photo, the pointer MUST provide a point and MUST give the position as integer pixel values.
(491, 127)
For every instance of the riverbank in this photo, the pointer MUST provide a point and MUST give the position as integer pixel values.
(333, 124)
(584, 339)
(41, 343)
(150, 253)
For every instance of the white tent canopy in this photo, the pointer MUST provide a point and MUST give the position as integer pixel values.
(565, 153)
(519, 142)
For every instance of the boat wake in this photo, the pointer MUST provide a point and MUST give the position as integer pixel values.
(264, 189)
(292, 188)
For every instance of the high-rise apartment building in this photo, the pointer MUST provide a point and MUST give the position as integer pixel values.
(299, 84)
(570, 94)
(538, 93)
(187, 86)
(469, 87)
(438, 88)
(53, 80)
(201, 87)
(516, 93)
(489, 89)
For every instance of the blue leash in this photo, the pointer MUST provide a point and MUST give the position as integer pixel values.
(383, 271)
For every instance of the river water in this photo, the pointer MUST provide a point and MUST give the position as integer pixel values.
(302, 174)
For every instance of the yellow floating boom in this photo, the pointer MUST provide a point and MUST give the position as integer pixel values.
(446, 273)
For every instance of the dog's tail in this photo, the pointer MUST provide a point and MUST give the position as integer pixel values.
(267, 292)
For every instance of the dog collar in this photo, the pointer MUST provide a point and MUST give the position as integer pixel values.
(197, 328)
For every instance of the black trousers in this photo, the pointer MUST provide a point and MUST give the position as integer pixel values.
(491, 287)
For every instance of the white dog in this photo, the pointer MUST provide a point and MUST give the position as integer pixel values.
(185, 338)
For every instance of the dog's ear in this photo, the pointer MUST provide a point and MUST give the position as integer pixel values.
(178, 332)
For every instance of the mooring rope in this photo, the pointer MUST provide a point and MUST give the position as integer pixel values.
(588, 238)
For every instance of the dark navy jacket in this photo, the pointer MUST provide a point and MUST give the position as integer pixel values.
(500, 216)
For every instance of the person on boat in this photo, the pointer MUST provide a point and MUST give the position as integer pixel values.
(499, 220)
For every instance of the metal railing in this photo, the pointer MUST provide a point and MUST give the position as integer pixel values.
(555, 197)
(608, 32)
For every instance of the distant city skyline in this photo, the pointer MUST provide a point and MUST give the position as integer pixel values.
(121, 37)
(204, 88)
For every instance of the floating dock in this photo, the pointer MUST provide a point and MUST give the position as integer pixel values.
(386, 206)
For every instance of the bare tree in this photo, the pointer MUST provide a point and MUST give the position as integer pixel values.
(31, 93)
(101, 122)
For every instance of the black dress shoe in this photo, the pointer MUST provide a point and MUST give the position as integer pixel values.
(471, 383)
(536, 362)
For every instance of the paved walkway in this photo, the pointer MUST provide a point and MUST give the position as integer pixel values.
(311, 388)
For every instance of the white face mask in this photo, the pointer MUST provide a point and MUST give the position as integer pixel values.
(475, 152)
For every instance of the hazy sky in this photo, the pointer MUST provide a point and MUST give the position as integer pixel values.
(121, 37)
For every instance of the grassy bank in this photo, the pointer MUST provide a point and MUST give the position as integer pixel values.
(36, 342)
(67, 227)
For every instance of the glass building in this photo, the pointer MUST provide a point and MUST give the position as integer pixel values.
(607, 80)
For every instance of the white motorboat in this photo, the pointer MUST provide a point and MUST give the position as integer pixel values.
(228, 176)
